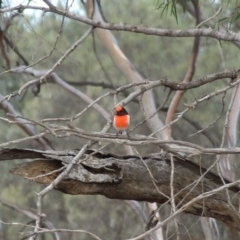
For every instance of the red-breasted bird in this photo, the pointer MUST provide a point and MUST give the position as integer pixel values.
(121, 120)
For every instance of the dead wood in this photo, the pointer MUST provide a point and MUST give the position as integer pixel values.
(132, 178)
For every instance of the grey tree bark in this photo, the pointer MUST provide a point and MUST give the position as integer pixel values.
(197, 191)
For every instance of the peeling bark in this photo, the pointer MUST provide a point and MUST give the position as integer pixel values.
(127, 177)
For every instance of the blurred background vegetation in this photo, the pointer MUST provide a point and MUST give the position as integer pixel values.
(155, 58)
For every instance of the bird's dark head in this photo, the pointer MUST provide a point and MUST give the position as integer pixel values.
(120, 110)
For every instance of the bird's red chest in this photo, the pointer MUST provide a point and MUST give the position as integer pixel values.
(121, 122)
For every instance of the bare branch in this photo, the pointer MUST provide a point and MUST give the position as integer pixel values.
(221, 35)
(123, 63)
(71, 49)
(31, 214)
(229, 138)
(4, 51)
(111, 175)
(53, 77)
(205, 20)
(15, 49)
(188, 78)
(208, 19)
(93, 236)
(29, 129)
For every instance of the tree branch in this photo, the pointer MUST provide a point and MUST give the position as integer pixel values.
(120, 177)
(123, 63)
(225, 35)
(188, 78)
(27, 128)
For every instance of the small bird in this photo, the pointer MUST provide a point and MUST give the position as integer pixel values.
(121, 120)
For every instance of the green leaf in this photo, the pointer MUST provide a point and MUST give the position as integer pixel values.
(222, 19)
(166, 5)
